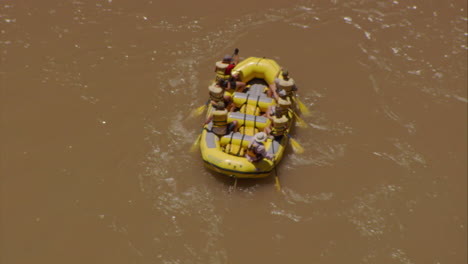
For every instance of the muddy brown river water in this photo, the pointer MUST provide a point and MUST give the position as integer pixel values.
(94, 136)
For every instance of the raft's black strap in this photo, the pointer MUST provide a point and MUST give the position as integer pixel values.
(230, 140)
(256, 105)
(232, 134)
(242, 139)
(255, 121)
(245, 116)
(246, 100)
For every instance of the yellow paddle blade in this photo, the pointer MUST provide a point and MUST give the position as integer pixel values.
(196, 144)
(277, 184)
(299, 121)
(297, 148)
(303, 108)
(198, 111)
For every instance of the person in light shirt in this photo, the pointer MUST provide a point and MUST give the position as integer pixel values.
(256, 150)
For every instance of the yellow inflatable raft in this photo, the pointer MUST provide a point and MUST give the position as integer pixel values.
(226, 154)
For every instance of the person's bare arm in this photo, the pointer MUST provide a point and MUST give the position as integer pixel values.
(208, 120)
(236, 56)
(268, 113)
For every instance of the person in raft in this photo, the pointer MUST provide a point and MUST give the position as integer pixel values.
(279, 124)
(286, 83)
(283, 103)
(217, 94)
(220, 124)
(224, 67)
(256, 150)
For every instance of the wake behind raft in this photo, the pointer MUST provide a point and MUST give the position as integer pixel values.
(226, 154)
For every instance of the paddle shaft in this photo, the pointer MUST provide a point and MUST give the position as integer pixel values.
(278, 187)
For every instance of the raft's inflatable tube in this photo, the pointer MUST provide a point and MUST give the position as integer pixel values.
(262, 101)
(254, 67)
(237, 139)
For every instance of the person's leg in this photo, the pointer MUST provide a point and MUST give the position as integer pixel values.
(232, 107)
(229, 103)
(229, 129)
(233, 126)
(267, 130)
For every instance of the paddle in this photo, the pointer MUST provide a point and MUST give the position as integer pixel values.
(199, 110)
(302, 107)
(277, 184)
(196, 144)
(297, 148)
(300, 122)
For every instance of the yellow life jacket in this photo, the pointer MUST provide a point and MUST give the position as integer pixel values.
(220, 118)
(284, 104)
(287, 86)
(216, 93)
(279, 125)
(221, 70)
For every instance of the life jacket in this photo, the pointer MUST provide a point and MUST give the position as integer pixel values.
(279, 125)
(220, 118)
(220, 122)
(221, 70)
(287, 86)
(216, 93)
(284, 104)
(252, 151)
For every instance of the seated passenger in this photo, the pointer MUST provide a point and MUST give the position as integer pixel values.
(283, 101)
(223, 68)
(220, 125)
(217, 94)
(278, 127)
(256, 150)
(271, 111)
(283, 104)
(286, 83)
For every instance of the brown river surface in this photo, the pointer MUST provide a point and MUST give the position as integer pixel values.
(95, 138)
